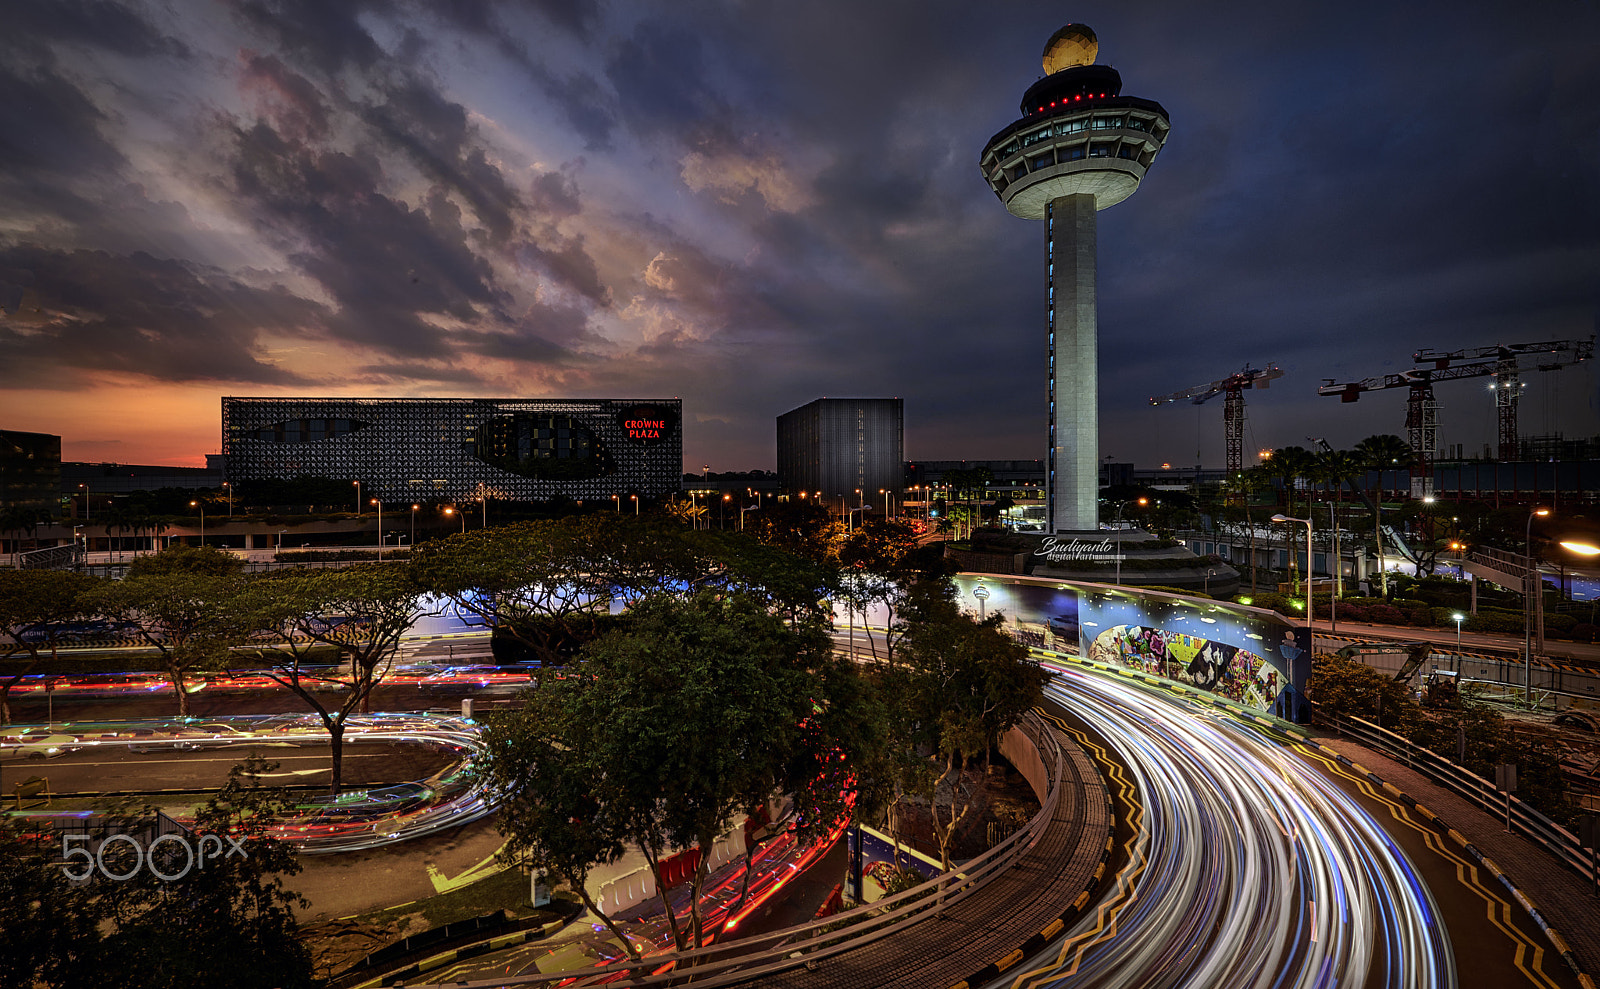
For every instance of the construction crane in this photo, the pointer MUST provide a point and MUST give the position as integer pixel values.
(1504, 362)
(1233, 387)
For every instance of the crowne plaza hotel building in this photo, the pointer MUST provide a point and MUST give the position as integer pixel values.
(453, 449)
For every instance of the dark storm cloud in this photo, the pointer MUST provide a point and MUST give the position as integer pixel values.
(752, 205)
(436, 135)
(99, 24)
(139, 315)
(329, 36)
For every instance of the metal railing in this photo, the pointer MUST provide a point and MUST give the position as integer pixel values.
(804, 945)
(1549, 835)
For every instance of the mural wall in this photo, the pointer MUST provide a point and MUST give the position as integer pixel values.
(1251, 656)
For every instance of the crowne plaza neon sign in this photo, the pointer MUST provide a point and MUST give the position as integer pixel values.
(647, 424)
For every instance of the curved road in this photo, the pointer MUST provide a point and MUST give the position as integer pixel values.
(1248, 864)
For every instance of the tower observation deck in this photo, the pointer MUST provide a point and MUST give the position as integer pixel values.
(1079, 147)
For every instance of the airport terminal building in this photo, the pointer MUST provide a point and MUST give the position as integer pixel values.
(457, 449)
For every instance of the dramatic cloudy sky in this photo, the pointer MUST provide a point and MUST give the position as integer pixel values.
(754, 204)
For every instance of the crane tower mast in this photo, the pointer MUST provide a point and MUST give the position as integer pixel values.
(1503, 362)
(1232, 405)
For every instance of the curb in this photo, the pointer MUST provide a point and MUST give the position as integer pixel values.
(462, 953)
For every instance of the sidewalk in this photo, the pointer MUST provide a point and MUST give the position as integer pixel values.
(1560, 895)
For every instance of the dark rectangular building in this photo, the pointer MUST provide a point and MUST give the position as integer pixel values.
(30, 471)
(840, 445)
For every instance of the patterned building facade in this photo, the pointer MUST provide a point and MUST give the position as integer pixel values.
(454, 449)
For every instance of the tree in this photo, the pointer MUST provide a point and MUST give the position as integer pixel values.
(525, 582)
(362, 611)
(1378, 453)
(184, 602)
(669, 728)
(18, 523)
(36, 608)
(542, 765)
(878, 562)
(968, 684)
(226, 920)
(804, 528)
(1244, 486)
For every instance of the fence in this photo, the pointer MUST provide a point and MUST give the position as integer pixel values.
(1549, 835)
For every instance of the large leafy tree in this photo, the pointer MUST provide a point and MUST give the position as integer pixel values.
(669, 729)
(542, 585)
(36, 608)
(185, 603)
(359, 612)
(966, 684)
(802, 527)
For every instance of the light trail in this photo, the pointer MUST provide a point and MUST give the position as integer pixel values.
(1248, 868)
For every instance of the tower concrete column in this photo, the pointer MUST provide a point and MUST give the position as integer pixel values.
(1074, 484)
(1080, 146)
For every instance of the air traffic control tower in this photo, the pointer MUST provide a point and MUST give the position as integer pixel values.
(1080, 146)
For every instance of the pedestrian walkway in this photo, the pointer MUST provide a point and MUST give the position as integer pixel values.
(1564, 898)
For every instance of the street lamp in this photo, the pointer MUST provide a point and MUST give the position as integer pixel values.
(196, 504)
(616, 499)
(279, 550)
(1309, 583)
(379, 503)
(358, 497)
(885, 493)
(635, 505)
(85, 488)
(228, 491)
(463, 516)
(1531, 585)
(1458, 618)
(414, 524)
(1118, 526)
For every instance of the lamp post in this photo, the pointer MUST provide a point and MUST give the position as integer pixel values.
(463, 517)
(279, 550)
(358, 497)
(635, 505)
(1531, 585)
(1120, 506)
(379, 503)
(196, 504)
(885, 493)
(1459, 618)
(1338, 570)
(1309, 583)
(414, 524)
(483, 501)
(228, 491)
(616, 500)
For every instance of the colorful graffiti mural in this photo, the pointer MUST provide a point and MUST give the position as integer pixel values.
(1251, 656)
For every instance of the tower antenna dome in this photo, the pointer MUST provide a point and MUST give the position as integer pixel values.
(1069, 47)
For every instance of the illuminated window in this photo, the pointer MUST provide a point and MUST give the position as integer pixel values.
(1099, 151)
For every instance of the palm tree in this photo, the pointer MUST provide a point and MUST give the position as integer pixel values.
(1245, 484)
(1333, 468)
(1378, 453)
